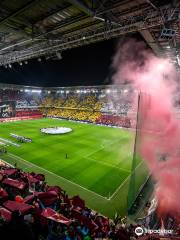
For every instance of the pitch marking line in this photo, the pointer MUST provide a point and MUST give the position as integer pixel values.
(28, 164)
(10, 142)
(123, 183)
(60, 177)
(102, 146)
(43, 169)
(107, 164)
(103, 163)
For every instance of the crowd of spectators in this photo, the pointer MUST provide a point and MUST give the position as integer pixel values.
(85, 108)
(89, 108)
(11, 95)
(21, 97)
(26, 104)
(79, 115)
(117, 103)
(121, 121)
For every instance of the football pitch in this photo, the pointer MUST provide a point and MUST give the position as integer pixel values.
(92, 161)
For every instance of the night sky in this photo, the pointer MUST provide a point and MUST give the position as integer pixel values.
(83, 66)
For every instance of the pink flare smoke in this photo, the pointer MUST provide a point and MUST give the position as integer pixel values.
(156, 79)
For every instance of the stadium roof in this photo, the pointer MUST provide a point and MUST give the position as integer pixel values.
(75, 89)
(34, 28)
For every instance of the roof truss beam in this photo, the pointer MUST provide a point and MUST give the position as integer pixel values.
(19, 11)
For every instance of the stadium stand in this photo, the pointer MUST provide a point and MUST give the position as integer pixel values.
(114, 120)
(72, 107)
(94, 105)
(88, 107)
(26, 104)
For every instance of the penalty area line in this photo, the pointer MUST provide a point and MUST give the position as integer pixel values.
(60, 177)
(120, 186)
(107, 164)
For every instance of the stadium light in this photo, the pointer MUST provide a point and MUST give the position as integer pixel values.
(27, 90)
(36, 91)
(26, 62)
(59, 55)
(20, 63)
(108, 90)
(178, 60)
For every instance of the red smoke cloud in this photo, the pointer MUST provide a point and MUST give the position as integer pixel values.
(159, 141)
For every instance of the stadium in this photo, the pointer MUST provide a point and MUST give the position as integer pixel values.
(89, 120)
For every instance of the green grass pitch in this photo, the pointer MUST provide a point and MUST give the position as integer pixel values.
(99, 159)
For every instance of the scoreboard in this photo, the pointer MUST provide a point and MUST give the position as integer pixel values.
(7, 109)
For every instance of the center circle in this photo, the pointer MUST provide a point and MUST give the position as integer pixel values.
(56, 130)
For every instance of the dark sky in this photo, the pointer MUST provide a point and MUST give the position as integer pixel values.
(87, 65)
